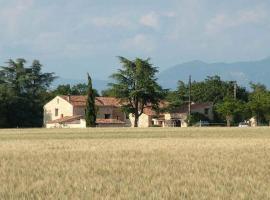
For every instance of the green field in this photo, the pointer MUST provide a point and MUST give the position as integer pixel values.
(195, 163)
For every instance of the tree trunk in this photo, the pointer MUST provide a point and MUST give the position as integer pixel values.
(136, 119)
(228, 119)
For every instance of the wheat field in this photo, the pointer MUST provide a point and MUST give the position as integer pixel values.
(154, 163)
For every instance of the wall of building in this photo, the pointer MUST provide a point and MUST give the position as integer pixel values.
(115, 113)
(76, 124)
(64, 109)
(202, 111)
(144, 121)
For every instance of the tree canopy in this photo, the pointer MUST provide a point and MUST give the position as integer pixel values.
(23, 92)
(136, 85)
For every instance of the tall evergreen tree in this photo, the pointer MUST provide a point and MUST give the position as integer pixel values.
(136, 85)
(90, 115)
(23, 92)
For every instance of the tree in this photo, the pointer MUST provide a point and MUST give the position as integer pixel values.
(212, 89)
(90, 115)
(23, 92)
(229, 108)
(78, 89)
(259, 103)
(136, 85)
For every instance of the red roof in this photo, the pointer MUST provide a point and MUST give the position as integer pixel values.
(109, 121)
(78, 117)
(194, 106)
(182, 109)
(66, 119)
(100, 101)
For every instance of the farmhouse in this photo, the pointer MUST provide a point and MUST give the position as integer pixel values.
(69, 112)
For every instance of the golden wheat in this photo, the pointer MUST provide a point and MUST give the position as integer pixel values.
(195, 163)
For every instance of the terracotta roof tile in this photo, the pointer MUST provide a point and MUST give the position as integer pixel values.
(194, 106)
(66, 119)
(109, 121)
(78, 117)
(99, 101)
(182, 109)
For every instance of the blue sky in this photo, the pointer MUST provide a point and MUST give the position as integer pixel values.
(75, 37)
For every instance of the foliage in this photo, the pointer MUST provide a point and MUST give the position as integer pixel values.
(259, 103)
(136, 85)
(212, 89)
(108, 93)
(90, 115)
(78, 89)
(229, 108)
(23, 92)
(196, 117)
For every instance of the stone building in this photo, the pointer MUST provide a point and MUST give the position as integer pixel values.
(69, 112)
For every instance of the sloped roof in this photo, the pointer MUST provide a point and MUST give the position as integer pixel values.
(66, 119)
(182, 109)
(109, 121)
(99, 101)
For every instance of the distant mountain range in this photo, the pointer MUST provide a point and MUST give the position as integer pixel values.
(242, 72)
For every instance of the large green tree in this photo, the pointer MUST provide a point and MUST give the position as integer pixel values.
(90, 115)
(23, 92)
(259, 103)
(212, 89)
(136, 85)
(229, 108)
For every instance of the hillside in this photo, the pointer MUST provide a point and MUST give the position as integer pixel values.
(242, 72)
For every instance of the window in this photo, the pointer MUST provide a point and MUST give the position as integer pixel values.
(107, 116)
(56, 112)
(127, 116)
(206, 111)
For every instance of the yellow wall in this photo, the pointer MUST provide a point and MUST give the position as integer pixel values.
(63, 107)
(144, 121)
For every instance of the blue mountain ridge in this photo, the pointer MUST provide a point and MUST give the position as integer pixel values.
(242, 72)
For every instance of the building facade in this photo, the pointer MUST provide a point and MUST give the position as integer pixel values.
(69, 112)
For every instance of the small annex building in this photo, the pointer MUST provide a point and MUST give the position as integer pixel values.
(175, 118)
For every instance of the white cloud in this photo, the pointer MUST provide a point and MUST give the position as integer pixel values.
(110, 22)
(11, 14)
(224, 21)
(150, 20)
(139, 42)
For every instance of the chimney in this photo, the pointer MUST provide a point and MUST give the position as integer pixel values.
(68, 98)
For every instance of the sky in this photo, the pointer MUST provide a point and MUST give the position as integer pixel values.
(75, 37)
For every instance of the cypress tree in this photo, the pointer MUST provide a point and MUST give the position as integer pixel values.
(90, 115)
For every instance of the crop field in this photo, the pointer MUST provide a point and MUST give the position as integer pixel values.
(156, 163)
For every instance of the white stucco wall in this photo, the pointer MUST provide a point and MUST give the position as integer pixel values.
(81, 124)
(144, 121)
(64, 108)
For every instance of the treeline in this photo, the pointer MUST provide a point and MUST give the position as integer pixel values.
(25, 89)
(232, 103)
